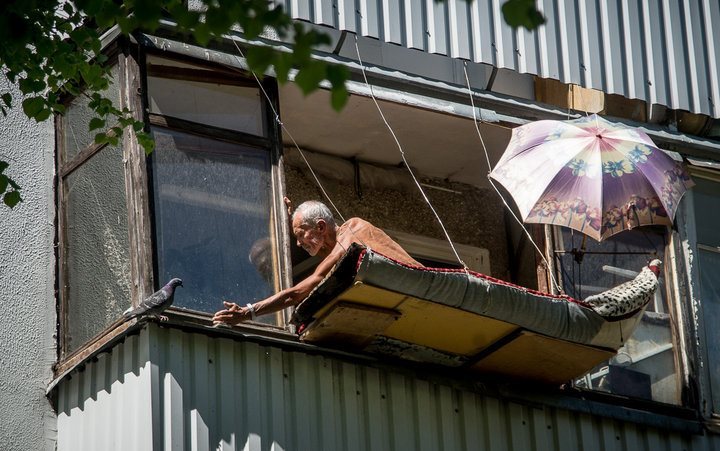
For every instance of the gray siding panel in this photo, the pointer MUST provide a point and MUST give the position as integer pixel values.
(393, 22)
(166, 389)
(326, 12)
(107, 404)
(414, 21)
(347, 15)
(437, 27)
(710, 14)
(302, 9)
(370, 19)
(459, 18)
(662, 51)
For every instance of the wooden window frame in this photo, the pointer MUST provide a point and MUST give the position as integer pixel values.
(553, 252)
(64, 168)
(271, 142)
(132, 80)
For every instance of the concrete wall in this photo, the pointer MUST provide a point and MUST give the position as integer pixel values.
(27, 267)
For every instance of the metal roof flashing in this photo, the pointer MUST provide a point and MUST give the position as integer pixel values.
(412, 90)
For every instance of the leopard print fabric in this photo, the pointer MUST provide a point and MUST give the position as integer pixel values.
(627, 298)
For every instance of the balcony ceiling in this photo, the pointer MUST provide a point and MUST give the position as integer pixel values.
(435, 144)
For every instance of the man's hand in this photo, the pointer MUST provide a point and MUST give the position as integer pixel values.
(288, 204)
(233, 314)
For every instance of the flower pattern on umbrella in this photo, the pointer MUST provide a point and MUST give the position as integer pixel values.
(591, 175)
(578, 167)
(618, 168)
(639, 155)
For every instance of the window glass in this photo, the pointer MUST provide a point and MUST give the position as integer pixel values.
(78, 116)
(96, 247)
(706, 196)
(645, 366)
(236, 108)
(213, 220)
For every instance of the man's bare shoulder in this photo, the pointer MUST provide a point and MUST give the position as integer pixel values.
(356, 222)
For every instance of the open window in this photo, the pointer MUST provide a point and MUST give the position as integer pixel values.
(438, 254)
(645, 367)
(213, 190)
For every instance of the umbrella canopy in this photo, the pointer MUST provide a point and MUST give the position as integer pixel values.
(591, 175)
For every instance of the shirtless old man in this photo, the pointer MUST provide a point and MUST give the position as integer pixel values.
(315, 231)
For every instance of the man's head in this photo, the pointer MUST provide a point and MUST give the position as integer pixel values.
(311, 223)
(261, 257)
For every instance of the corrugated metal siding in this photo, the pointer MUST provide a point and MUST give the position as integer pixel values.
(202, 393)
(106, 405)
(661, 51)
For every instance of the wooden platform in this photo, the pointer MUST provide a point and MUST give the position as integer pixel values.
(380, 321)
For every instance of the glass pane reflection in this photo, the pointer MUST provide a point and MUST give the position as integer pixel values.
(212, 220)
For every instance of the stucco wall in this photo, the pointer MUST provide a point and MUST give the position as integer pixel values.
(27, 322)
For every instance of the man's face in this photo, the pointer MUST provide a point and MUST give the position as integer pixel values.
(309, 237)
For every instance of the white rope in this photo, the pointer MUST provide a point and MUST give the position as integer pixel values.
(402, 154)
(302, 154)
(487, 158)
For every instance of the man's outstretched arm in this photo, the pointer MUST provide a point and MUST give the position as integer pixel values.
(235, 314)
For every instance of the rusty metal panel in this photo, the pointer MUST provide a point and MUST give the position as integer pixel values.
(168, 389)
(664, 52)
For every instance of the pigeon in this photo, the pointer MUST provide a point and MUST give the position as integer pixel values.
(156, 303)
(629, 297)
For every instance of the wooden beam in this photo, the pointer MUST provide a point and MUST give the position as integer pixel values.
(200, 75)
(82, 156)
(136, 186)
(208, 130)
(280, 220)
(62, 285)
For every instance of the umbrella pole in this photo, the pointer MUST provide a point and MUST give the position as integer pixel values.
(578, 255)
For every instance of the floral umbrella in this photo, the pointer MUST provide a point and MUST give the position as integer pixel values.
(592, 175)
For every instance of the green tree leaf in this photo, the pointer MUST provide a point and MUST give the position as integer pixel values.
(146, 141)
(43, 115)
(522, 13)
(29, 86)
(96, 123)
(310, 75)
(32, 106)
(101, 138)
(12, 198)
(338, 97)
(282, 64)
(259, 58)
(7, 99)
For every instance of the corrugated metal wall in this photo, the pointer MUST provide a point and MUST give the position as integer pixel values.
(106, 404)
(221, 394)
(661, 51)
